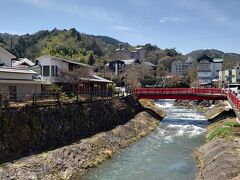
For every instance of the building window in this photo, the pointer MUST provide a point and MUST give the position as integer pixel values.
(52, 71)
(56, 71)
(46, 71)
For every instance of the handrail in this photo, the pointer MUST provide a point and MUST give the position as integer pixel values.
(176, 91)
(234, 99)
(189, 91)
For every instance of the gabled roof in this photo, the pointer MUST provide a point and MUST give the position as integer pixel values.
(205, 57)
(99, 79)
(7, 52)
(65, 60)
(22, 62)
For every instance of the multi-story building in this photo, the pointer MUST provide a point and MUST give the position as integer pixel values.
(225, 77)
(53, 69)
(118, 66)
(181, 68)
(177, 68)
(236, 74)
(123, 52)
(208, 69)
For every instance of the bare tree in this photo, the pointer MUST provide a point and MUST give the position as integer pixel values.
(135, 74)
(75, 77)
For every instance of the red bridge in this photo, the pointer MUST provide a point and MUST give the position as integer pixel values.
(181, 93)
(190, 94)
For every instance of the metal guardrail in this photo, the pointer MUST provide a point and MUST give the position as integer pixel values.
(46, 98)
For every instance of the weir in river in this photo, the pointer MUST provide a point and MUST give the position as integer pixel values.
(164, 154)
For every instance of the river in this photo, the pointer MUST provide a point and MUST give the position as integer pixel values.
(164, 154)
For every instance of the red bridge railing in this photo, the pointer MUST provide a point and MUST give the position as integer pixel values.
(187, 92)
(176, 91)
(234, 99)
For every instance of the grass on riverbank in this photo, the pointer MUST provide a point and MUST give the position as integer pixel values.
(227, 128)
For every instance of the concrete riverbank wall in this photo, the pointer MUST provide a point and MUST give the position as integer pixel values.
(219, 157)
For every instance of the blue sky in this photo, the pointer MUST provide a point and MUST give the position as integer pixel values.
(184, 24)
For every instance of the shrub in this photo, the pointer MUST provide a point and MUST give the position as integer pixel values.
(55, 89)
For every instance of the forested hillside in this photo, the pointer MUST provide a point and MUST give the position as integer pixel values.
(69, 44)
(90, 49)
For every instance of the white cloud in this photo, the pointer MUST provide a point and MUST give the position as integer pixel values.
(81, 10)
(121, 28)
(171, 19)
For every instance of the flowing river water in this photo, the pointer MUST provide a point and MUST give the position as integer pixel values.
(164, 154)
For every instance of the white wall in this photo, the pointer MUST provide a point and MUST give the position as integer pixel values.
(5, 57)
(12, 75)
(48, 61)
(61, 65)
(23, 90)
(215, 68)
(235, 75)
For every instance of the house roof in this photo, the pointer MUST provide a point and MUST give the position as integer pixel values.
(96, 78)
(13, 70)
(217, 60)
(22, 62)
(7, 52)
(65, 60)
(205, 57)
(149, 64)
(129, 61)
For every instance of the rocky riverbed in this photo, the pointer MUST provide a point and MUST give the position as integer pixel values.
(219, 157)
(65, 162)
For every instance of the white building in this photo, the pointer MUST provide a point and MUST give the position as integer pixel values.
(6, 58)
(17, 83)
(208, 69)
(52, 68)
(181, 68)
(236, 74)
(177, 68)
(123, 52)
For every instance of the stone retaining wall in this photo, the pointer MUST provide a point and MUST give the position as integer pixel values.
(31, 130)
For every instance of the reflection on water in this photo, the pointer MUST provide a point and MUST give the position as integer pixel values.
(164, 154)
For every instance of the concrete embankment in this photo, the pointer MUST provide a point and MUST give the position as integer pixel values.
(219, 157)
(73, 160)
